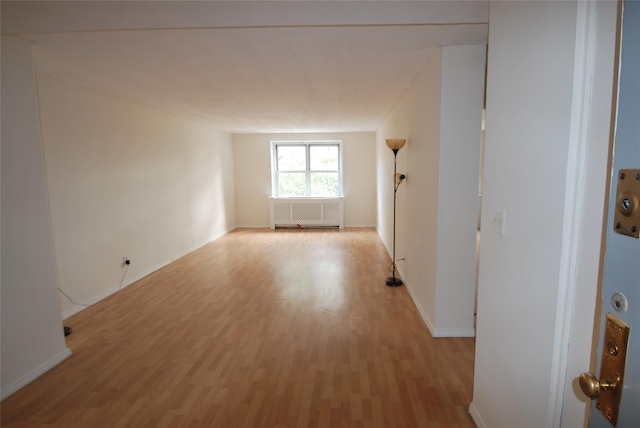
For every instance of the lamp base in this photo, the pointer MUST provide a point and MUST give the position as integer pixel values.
(393, 281)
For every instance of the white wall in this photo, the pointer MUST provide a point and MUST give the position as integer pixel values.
(125, 180)
(252, 165)
(528, 117)
(441, 117)
(32, 335)
(462, 100)
(417, 118)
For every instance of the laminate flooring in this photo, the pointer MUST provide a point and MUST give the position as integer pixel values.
(260, 328)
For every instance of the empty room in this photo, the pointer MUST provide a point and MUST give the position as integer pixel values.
(302, 213)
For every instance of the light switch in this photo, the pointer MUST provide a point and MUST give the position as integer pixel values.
(498, 221)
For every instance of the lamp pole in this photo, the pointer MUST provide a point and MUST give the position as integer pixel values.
(392, 281)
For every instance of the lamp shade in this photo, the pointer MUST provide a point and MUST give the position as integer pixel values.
(396, 143)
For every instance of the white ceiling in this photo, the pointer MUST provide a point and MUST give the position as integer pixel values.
(248, 67)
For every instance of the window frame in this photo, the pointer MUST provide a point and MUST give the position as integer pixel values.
(307, 144)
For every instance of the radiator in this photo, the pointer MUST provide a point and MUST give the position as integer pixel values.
(307, 212)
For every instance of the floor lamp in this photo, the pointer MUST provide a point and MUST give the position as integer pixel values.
(395, 145)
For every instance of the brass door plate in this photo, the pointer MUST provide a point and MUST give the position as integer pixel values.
(614, 356)
(627, 213)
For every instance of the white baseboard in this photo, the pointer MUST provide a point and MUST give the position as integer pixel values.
(7, 390)
(454, 332)
(423, 314)
(78, 308)
(266, 226)
(477, 419)
(436, 332)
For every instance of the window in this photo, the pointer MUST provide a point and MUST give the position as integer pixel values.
(307, 169)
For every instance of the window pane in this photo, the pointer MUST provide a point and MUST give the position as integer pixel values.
(324, 184)
(292, 184)
(324, 158)
(292, 158)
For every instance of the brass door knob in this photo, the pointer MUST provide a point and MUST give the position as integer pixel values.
(592, 386)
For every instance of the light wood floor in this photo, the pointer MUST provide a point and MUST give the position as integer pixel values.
(261, 328)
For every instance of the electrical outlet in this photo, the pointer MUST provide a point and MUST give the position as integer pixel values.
(498, 222)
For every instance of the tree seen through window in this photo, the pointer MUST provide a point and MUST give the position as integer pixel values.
(307, 169)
